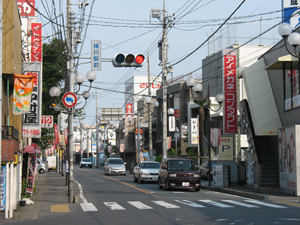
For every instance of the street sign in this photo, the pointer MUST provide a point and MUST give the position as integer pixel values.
(69, 99)
(47, 122)
(96, 55)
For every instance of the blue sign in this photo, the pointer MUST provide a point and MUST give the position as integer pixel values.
(3, 188)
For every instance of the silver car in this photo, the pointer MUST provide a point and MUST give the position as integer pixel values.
(114, 166)
(146, 171)
(86, 162)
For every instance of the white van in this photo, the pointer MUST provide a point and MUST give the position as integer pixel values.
(41, 167)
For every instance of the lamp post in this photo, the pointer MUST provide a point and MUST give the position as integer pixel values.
(79, 79)
(204, 103)
(155, 104)
(286, 31)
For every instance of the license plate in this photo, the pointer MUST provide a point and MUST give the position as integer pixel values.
(185, 184)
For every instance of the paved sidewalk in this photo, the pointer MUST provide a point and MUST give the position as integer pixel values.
(51, 195)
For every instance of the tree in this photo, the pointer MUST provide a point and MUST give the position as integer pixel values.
(54, 73)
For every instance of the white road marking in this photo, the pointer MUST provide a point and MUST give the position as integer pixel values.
(216, 204)
(81, 192)
(87, 207)
(114, 206)
(139, 205)
(166, 204)
(241, 204)
(266, 204)
(189, 203)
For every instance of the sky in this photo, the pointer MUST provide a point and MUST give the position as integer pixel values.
(127, 27)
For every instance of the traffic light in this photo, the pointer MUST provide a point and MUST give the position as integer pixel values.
(129, 60)
(62, 122)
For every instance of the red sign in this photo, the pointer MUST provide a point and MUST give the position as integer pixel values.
(177, 113)
(129, 109)
(154, 86)
(230, 105)
(69, 99)
(36, 42)
(25, 9)
(47, 121)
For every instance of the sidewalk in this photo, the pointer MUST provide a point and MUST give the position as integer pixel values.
(51, 195)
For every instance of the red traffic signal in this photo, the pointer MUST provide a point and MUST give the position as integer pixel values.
(129, 60)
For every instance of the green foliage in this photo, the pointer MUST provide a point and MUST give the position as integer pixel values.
(186, 137)
(192, 151)
(171, 151)
(158, 158)
(201, 103)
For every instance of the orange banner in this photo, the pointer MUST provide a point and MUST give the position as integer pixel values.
(23, 86)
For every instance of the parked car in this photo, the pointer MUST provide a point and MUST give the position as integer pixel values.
(204, 171)
(86, 162)
(114, 166)
(146, 171)
(41, 166)
(179, 174)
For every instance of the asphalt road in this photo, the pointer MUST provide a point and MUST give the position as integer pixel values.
(118, 200)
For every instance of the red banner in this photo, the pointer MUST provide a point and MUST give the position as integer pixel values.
(25, 9)
(36, 42)
(56, 134)
(230, 105)
(129, 109)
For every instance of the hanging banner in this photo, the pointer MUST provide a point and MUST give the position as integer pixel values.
(215, 136)
(230, 104)
(56, 134)
(30, 172)
(23, 86)
(169, 142)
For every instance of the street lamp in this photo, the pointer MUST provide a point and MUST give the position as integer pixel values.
(155, 104)
(55, 92)
(204, 103)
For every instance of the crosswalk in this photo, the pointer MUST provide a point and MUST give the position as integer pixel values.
(248, 203)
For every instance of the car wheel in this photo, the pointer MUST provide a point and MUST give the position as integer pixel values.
(124, 174)
(80, 166)
(167, 185)
(197, 189)
(41, 171)
(134, 178)
(140, 179)
(159, 184)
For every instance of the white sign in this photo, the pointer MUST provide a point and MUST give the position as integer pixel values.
(194, 131)
(47, 122)
(171, 123)
(96, 55)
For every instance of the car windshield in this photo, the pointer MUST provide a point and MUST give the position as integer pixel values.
(86, 160)
(150, 165)
(118, 161)
(181, 165)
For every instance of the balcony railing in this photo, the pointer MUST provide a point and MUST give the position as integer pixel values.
(10, 132)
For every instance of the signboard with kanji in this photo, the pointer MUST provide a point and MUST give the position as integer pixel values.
(47, 122)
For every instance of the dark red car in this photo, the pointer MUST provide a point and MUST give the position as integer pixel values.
(179, 174)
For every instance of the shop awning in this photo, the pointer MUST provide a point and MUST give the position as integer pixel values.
(278, 64)
(31, 149)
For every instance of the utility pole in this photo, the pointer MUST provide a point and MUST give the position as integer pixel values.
(71, 27)
(97, 133)
(138, 136)
(164, 79)
(149, 114)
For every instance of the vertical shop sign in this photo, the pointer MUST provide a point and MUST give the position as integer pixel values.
(30, 172)
(3, 188)
(36, 42)
(230, 105)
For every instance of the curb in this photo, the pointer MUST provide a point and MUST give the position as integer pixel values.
(238, 193)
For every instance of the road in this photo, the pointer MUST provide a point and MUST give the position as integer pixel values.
(119, 200)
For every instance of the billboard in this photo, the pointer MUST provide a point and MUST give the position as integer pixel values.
(289, 156)
(290, 13)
